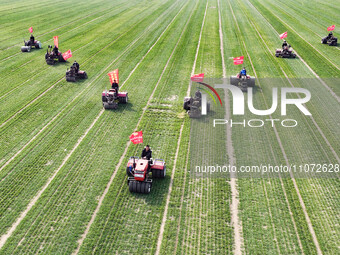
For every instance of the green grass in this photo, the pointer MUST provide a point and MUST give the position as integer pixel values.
(43, 118)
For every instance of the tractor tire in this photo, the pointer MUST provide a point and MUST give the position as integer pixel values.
(123, 100)
(85, 75)
(132, 186)
(106, 105)
(104, 99)
(186, 105)
(139, 187)
(25, 49)
(50, 61)
(155, 173)
(234, 80)
(38, 45)
(70, 79)
(324, 40)
(163, 173)
(147, 188)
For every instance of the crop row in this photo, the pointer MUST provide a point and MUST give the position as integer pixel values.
(86, 173)
(25, 125)
(34, 165)
(296, 148)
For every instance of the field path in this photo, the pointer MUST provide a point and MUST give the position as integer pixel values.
(160, 237)
(310, 226)
(275, 130)
(235, 220)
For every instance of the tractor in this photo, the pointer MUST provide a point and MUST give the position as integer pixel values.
(138, 171)
(31, 44)
(53, 55)
(193, 105)
(243, 81)
(285, 52)
(112, 97)
(330, 40)
(74, 73)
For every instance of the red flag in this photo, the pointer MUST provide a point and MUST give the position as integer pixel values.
(56, 41)
(238, 60)
(284, 35)
(67, 54)
(114, 76)
(331, 28)
(136, 137)
(198, 77)
(30, 30)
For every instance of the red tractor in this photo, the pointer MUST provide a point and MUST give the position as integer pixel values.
(138, 172)
(112, 97)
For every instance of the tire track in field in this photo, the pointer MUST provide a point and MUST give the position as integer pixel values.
(5, 237)
(308, 221)
(103, 70)
(325, 57)
(161, 230)
(275, 130)
(235, 220)
(305, 63)
(311, 117)
(100, 202)
(182, 199)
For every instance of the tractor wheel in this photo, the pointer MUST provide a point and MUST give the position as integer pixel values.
(104, 99)
(123, 100)
(50, 61)
(162, 173)
(186, 105)
(155, 173)
(139, 187)
(106, 105)
(85, 75)
(147, 188)
(132, 186)
(70, 79)
(25, 48)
